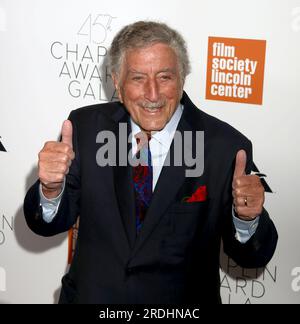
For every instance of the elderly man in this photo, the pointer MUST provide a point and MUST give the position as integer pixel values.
(149, 232)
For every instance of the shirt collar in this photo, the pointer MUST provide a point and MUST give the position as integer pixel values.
(164, 136)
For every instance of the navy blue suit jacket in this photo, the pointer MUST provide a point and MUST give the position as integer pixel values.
(175, 258)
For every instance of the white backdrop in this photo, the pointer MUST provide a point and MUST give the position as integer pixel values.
(36, 96)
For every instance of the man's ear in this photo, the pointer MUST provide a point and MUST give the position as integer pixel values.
(116, 82)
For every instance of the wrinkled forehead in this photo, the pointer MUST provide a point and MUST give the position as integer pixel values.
(157, 56)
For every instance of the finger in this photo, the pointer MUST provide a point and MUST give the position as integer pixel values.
(240, 164)
(242, 202)
(67, 133)
(246, 181)
(56, 148)
(254, 191)
(54, 167)
(45, 157)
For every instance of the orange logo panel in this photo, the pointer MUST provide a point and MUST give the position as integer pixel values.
(235, 70)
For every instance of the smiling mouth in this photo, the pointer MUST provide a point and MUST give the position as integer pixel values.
(152, 110)
(152, 107)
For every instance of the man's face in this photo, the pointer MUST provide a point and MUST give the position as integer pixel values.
(150, 86)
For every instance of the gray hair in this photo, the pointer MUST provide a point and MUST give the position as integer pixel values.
(145, 33)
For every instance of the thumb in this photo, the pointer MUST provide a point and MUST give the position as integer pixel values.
(240, 164)
(67, 132)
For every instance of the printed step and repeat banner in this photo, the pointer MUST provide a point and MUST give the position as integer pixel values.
(245, 71)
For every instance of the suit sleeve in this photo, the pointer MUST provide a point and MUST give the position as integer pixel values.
(69, 207)
(258, 251)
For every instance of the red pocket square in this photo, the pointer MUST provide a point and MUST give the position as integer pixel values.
(199, 195)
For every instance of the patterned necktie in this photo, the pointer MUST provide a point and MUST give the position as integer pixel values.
(142, 179)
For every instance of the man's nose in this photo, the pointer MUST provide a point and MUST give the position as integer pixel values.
(152, 90)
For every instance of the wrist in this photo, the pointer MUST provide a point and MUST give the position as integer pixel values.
(51, 193)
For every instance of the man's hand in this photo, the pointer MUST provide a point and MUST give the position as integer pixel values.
(247, 190)
(54, 161)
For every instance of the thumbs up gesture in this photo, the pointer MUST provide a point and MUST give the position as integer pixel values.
(247, 190)
(54, 161)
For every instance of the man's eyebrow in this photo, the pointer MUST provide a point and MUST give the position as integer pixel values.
(135, 71)
(169, 70)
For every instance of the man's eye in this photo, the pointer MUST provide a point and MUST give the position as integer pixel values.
(137, 78)
(165, 77)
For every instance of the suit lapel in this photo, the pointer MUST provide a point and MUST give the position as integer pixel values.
(126, 200)
(123, 183)
(122, 177)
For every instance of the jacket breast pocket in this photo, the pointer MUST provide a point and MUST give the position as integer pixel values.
(187, 217)
(184, 221)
